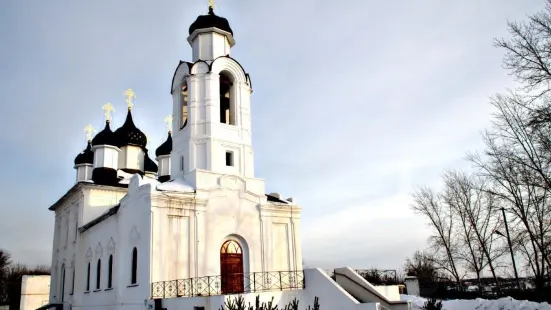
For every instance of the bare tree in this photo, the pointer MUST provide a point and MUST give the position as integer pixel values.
(513, 174)
(456, 197)
(421, 265)
(528, 51)
(5, 262)
(519, 189)
(440, 219)
(477, 212)
(523, 134)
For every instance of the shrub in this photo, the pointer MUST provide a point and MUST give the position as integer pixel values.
(432, 304)
(238, 303)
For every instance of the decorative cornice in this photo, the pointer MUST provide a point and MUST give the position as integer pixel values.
(181, 201)
(81, 188)
(279, 210)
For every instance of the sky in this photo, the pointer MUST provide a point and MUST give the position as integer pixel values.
(356, 103)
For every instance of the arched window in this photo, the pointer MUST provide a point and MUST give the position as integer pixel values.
(183, 106)
(134, 278)
(110, 272)
(62, 282)
(73, 284)
(98, 275)
(227, 109)
(231, 247)
(88, 278)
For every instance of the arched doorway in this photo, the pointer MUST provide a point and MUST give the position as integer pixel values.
(231, 267)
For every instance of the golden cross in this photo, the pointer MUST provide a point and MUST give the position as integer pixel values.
(130, 96)
(211, 4)
(168, 121)
(89, 131)
(108, 110)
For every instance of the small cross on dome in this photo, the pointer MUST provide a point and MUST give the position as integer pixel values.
(108, 108)
(130, 96)
(168, 121)
(89, 130)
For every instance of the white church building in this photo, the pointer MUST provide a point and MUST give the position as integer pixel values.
(196, 226)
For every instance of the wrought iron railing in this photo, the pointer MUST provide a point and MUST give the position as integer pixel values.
(229, 284)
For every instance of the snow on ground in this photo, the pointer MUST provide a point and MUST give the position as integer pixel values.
(506, 303)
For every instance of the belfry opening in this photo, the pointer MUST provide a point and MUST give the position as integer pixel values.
(227, 113)
(183, 105)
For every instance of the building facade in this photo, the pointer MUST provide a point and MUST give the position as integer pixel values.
(130, 225)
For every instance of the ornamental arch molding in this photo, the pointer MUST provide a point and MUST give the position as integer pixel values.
(111, 246)
(99, 251)
(89, 254)
(227, 64)
(179, 75)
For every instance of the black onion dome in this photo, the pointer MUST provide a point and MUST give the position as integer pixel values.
(150, 165)
(129, 134)
(106, 136)
(86, 156)
(210, 20)
(165, 148)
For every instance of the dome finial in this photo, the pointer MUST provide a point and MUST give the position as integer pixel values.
(168, 121)
(108, 108)
(130, 96)
(89, 130)
(211, 7)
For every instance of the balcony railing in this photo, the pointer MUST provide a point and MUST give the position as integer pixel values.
(229, 284)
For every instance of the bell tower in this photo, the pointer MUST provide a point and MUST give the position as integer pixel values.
(211, 107)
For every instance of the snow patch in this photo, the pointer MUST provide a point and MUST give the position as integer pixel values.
(125, 177)
(506, 303)
(176, 185)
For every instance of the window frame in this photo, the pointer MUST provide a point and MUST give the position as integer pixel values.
(134, 267)
(88, 278)
(230, 158)
(110, 272)
(98, 274)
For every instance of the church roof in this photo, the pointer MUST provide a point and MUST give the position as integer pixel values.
(149, 164)
(99, 219)
(86, 156)
(210, 20)
(166, 147)
(273, 198)
(105, 137)
(129, 134)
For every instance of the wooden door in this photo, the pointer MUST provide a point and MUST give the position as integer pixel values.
(231, 268)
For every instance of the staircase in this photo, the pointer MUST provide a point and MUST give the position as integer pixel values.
(365, 293)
